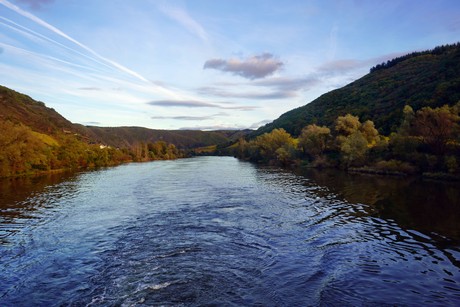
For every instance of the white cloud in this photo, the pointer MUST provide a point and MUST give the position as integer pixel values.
(266, 89)
(191, 118)
(255, 67)
(198, 104)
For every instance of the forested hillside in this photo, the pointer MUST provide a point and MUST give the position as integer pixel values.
(421, 79)
(36, 138)
(20, 108)
(184, 139)
(402, 118)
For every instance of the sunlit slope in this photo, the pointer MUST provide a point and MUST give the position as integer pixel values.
(22, 109)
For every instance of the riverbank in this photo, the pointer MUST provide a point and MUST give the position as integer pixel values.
(37, 173)
(409, 172)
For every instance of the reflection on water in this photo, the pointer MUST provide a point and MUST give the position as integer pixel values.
(427, 206)
(21, 197)
(218, 231)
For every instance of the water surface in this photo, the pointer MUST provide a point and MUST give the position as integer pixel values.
(217, 231)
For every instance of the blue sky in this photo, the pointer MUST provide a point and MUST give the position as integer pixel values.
(204, 64)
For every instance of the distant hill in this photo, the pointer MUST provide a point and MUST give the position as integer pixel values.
(128, 136)
(429, 78)
(20, 108)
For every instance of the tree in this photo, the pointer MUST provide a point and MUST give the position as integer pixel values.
(354, 138)
(278, 145)
(313, 139)
(407, 122)
(436, 126)
(21, 150)
(347, 125)
(268, 143)
(242, 148)
(369, 132)
(354, 148)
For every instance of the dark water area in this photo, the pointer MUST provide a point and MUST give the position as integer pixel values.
(218, 231)
(428, 206)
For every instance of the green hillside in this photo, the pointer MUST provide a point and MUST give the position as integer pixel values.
(128, 136)
(37, 139)
(430, 78)
(19, 108)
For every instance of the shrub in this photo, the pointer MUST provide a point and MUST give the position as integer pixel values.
(395, 166)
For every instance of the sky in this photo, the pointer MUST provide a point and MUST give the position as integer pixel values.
(204, 64)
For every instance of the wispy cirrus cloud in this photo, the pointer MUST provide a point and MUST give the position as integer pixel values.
(266, 89)
(181, 16)
(182, 103)
(92, 123)
(198, 104)
(340, 66)
(90, 89)
(288, 83)
(255, 67)
(191, 118)
(221, 92)
(213, 127)
(344, 66)
(81, 49)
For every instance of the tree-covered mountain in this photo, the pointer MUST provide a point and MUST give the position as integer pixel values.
(401, 118)
(20, 108)
(185, 139)
(36, 138)
(420, 79)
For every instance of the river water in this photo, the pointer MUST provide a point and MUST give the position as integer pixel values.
(218, 231)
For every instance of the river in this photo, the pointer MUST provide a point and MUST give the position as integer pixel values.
(223, 232)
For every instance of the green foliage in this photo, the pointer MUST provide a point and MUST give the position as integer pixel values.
(414, 102)
(354, 139)
(436, 127)
(347, 125)
(353, 148)
(276, 147)
(313, 140)
(436, 51)
(36, 138)
(425, 79)
(369, 132)
(269, 143)
(19, 108)
(427, 140)
(21, 152)
(24, 151)
(183, 139)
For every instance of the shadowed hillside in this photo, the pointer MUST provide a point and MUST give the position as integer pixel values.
(128, 136)
(430, 78)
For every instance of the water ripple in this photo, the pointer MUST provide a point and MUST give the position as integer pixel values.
(180, 233)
